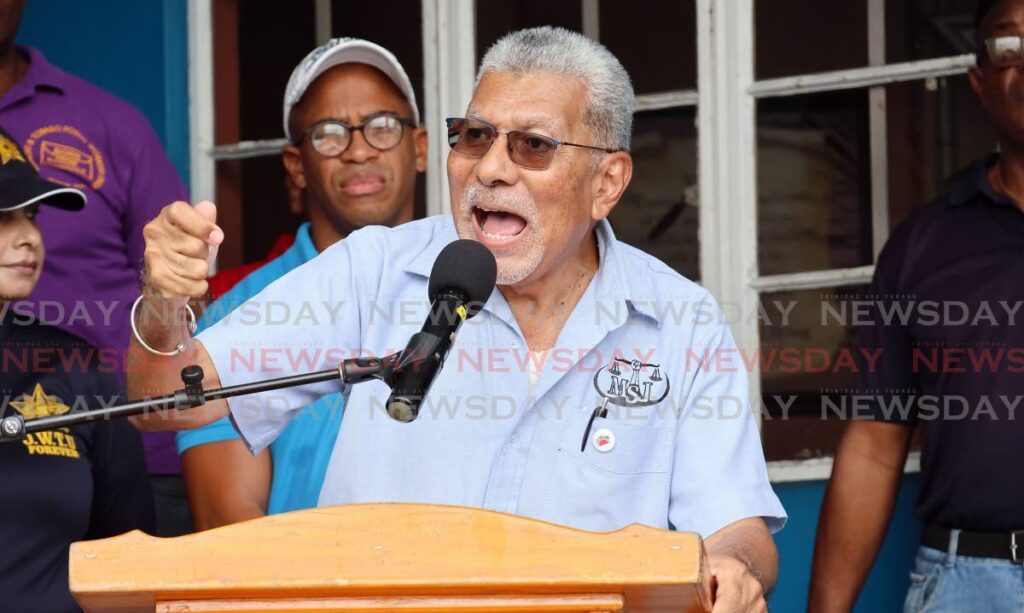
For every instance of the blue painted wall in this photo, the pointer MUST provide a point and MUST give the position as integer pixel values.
(135, 49)
(887, 584)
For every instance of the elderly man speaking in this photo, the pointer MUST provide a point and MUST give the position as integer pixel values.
(587, 392)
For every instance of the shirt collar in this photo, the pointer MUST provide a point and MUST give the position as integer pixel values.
(40, 75)
(304, 243)
(622, 277)
(618, 279)
(975, 183)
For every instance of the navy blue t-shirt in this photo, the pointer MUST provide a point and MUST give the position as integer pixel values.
(948, 330)
(64, 485)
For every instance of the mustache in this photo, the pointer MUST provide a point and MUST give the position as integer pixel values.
(478, 195)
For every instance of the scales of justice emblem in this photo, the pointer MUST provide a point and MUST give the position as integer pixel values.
(631, 383)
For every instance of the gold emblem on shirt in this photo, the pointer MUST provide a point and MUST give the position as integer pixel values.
(58, 442)
(65, 148)
(39, 404)
(9, 151)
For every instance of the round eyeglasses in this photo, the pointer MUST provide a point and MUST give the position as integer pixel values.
(473, 138)
(332, 137)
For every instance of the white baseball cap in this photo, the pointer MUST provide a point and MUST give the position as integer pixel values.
(339, 51)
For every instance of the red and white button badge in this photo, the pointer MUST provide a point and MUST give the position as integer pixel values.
(604, 440)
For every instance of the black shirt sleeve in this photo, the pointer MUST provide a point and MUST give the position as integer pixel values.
(889, 380)
(122, 499)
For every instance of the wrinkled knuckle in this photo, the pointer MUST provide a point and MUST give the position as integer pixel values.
(752, 585)
(171, 212)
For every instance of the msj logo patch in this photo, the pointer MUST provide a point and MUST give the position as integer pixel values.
(631, 383)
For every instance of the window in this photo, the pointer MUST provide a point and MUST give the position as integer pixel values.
(850, 138)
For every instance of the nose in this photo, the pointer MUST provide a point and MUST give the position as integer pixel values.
(26, 233)
(496, 166)
(359, 151)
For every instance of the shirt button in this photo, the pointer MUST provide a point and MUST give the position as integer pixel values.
(604, 440)
(515, 345)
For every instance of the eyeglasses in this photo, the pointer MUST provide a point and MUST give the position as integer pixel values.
(331, 137)
(1005, 51)
(473, 138)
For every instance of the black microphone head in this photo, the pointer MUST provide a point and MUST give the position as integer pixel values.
(467, 267)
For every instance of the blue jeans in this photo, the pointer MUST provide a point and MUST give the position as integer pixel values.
(944, 582)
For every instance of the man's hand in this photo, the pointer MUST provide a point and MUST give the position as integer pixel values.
(181, 244)
(733, 587)
(743, 563)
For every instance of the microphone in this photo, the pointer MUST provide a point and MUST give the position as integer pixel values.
(461, 281)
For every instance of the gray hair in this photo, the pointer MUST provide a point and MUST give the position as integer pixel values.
(608, 111)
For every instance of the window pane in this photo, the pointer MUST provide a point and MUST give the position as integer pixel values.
(496, 19)
(814, 168)
(658, 213)
(806, 354)
(814, 189)
(922, 29)
(655, 41)
(252, 208)
(936, 129)
(401, 32)
(270, 43)
(796, 36)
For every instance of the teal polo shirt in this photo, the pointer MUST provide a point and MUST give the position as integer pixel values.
(302, 452)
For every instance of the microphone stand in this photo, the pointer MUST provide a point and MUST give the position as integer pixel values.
(351, 371)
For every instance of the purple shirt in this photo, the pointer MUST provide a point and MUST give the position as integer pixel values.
(79, 135)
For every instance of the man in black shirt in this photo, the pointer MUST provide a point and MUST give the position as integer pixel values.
(956, 366)
(68, 484)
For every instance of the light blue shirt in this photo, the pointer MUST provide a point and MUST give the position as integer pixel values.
(679, 447)
(301, 454)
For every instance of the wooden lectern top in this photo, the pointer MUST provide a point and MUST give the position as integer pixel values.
(394, 557)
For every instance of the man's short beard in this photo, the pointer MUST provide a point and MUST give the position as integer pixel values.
(516, 263)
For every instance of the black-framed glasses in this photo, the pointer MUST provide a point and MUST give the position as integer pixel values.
(1005, 51)
(382, 131)
(473, 138)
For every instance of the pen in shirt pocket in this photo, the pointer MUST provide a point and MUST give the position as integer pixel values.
(599, 411)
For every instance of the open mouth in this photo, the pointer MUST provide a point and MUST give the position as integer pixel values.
(498, 226)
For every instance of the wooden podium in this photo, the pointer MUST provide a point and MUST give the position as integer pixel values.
(394, 557)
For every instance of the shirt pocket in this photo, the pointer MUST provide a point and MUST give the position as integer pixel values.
(607, 490)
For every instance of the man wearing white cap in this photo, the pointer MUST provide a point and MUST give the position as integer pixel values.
(355, 148)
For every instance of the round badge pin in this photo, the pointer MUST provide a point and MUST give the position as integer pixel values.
(604, 440)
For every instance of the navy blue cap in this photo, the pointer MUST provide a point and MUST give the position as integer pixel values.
(21, 185)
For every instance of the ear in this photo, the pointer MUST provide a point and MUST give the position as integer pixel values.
(610, 181)
(292, 158)
(419, 143)
(977, 79)
(295, 179)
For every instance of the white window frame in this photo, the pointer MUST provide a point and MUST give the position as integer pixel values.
(728, 168)
(726, 97)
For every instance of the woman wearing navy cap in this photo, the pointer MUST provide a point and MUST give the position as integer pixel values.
(67, 484)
